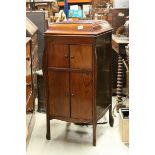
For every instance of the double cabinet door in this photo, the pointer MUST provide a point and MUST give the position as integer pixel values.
(70, 81)
(70, 56)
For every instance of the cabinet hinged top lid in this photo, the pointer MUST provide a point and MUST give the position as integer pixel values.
(79, 27)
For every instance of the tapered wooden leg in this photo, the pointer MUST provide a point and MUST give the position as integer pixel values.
(48, 134)
(111, 119)
(94, 134)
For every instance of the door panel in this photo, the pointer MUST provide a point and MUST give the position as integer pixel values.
(58, 55)
(81, 56)
(81, 95)
(58, 87)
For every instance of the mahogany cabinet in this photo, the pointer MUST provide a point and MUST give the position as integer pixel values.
(77, 72)
(30, 116)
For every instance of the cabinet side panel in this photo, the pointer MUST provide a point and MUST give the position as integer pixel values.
(103, 93)
(58, 88)
(81, 95)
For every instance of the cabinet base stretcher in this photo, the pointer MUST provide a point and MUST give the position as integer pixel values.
(111, 122)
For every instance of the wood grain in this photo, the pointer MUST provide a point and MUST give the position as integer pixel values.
(58, 55)
(81, 95)
(81, 56)
(59, 93)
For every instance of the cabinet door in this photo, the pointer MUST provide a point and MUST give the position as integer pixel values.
(58, 89)
(81, 95)
(58, 55)
(81, 56)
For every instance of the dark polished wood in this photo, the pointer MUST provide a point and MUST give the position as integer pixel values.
(59, 93)
(81, 56)
(77, 73)
(58, 59)
(81, 95)
(48, 133)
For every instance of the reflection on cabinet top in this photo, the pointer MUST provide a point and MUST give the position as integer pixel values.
(79, 27)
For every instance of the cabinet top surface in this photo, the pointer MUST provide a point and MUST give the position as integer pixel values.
(79, 27)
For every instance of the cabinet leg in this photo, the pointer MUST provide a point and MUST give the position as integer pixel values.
(48, 134)
(94, 134)
(111, 119)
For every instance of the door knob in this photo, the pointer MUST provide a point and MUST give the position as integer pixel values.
(72, 94)
(66, 56)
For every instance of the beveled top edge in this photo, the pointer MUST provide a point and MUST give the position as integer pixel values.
(73, 33)
(80, 22)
